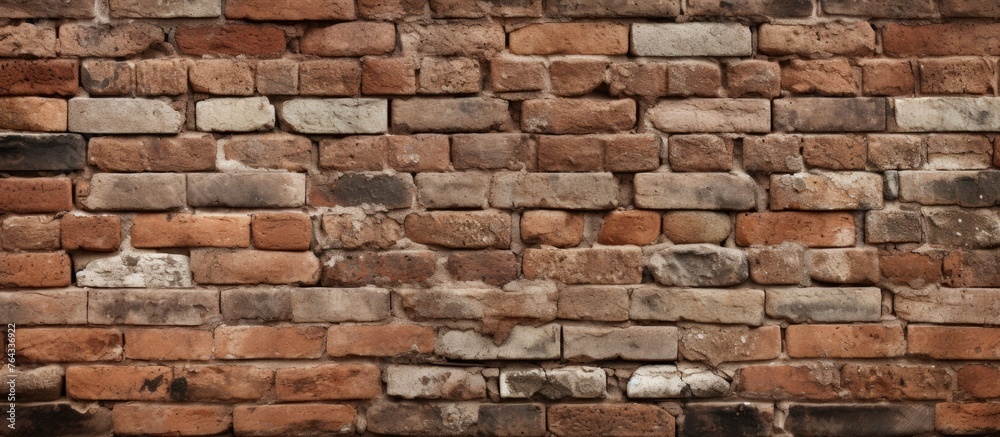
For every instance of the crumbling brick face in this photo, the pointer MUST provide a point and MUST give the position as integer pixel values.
(535, 218)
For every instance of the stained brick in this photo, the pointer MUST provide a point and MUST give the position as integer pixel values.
(231, 39)
(328, 381)
(38, 77)
(378, 268)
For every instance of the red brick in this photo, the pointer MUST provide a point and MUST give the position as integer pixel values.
(788, 382)
(282, 231)
(570, 153)
(354, 232)
(36, 114)
(845, 341)
(471, 40)
(828, 77)
(253, 267)
(552, 228)
(773, 153)
(248, 342)
(38, 77)
(277, 76)
(330, 77)
(578, 116)
(630, 227)
(175, 420)
(231, 39)
(953, 418)
(892, 152)
(474, 9)
(35, 270)
(48, 9)
(694, 78)
(390, 9)
(833, 38)
(632, 153)
(190, 230)
(946, 39)
(107, 78)
(123, 39)
(328, 381)
(66, 345)
(378, 268)
(30, 233)
(954, 342)
(291, 10)
(93, 233)
(449, 76)
(714, 344)
(185, 152)
(576, 77)
(634, 79)
(912, 269)
(168, 344)
(418, 153)
(222, 76)
(570, 39)
(979, 381)
(835, 152)
(379, 341)
(700, 153)
(753, 78)
(350, 39)
(293, 419)
(224, 383)
(158, 77)
(887, 77)
(493, 151)
(394, 76)
(894, 383)
(957, 76)
(278, 151)
(972, 268)
(610, 420)
(493, 267)
(459, 229)
(603, 265)
(357, 153)
(119, 383)
(844, 266)
(516, 74)
(969, 8)
(812, 229)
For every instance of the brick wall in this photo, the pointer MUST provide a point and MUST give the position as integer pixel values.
(501, 217)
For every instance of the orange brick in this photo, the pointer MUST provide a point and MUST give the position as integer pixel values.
(570, 39)
(380, 268)
(427, 152)
(63, 345)
(328, 381)
(222, 77)
(33, 195)
(246, 342)
(954, 342)
(892, 382)
(513, 74)
(570, 153)
(630, 227)
(330, 77)
(94, 233)
(252, 267)
(282, 231)
(189, 230)
(30, 233)
(844, 341)
(787, 382)
(225, 383)
(953, 418)
(395, 76)
(35, 270)
(168, 344)
(553, 228)
(946, 39)
(812, 229)
(289, 419)
(119, 383)
(979, 381)
(183, 153)
(576, 77)
(176, 420)
(379, 341)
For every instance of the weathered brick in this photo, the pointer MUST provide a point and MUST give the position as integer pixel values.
(330, 77)
(396, 76)
(959, 152)
(784, 382)
(249, 342)
(966, 419)
(434, 382)
(887, 77)
(234, 114)
(554, 190)
(700, 153)
(152, 307)
(594, 302)
(350, 39)
(894, 226)
(552, 228)
(123, 116)
(576, 76)
(825, 77)
(39, 384)
(895, 420)
(912, 269)
(167, 419)
(329, 381)
(957, 76)
(222, 77)
(939, 114)
(37, 114)
(712, 115)
(968, 8)
(896, 152)
(121, 383)
(290, 10)
(355, 153)
(635, 343)
(826, 191)
(168, 344)
(953, 342)
(718, 191)
(845, 341)
(141, 9)
(38, 152)
(273, 151)
(292, 419)
(379, 341)
(585, 266)
(61, 345)
(818, 114)
(698, 265)
(492, 267)
(522, 343)
(277, 76)
(972, 268)
(583, 8)
(281, 231)
(979, 381)
(963, 188)
(969, 229)
(246, 190)
(45, 307)
(188, 230)
(691, 39)
(538, 303)
(517, 74)
(47, 9)
(635, 79)
(159, 77)
(829, 305)
(265, 304)
(835, 152)
(892, 382)
(819, 40)
(460, 230)
(610, 420)
(570, 39)
(449, 76)
(882, 8)
(691, 227)
(844, 266)
(35, 195)
(35, 270)
(714, 344)
(223, 383)
(743, 419)
(469, 40)
(667, 381)
(752, 9)
(340, 305)
(753, 78)
(25, 233)
(357, 189)
(390, 9)
(700, 306)
(694, 78)
(456, 419)
(783, 264)
(143, 192)
(62, 417)
(231, 39)
(378, 268)
(948, 305)
(335, 116)
(107, 78)
(630, 227)
(220, 266)
(135, 270)
(577, 382)
(496, 8)
(185, 152)
(115, 40)
(349, 231)
(577, 116)
(493, 151)
(38, 77)
(453, 190)
(944, 39)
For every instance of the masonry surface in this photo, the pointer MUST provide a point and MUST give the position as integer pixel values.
(501, 217)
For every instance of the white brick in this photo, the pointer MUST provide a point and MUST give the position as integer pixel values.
(635, 343)
(123, 116)
(691, 39)
(136, 270)
(524, 343)
(717, 191)
(941, 114)
(728, 306)
(554, 190)
(434, 382)
(578, 382)
(811, 305)
(135, 192)
(658, 382)
(336, 116)
(235, 114)
(712, 115)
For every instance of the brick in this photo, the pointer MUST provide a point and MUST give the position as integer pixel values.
(969, 229)
(634, 79)
(357, 189)
(449, 76)
(219, 266)
(700, 153)
(61, 345)
(887, 77)
(35, 270)
(576, 76)
(246, 190)
(743, 419)
(570, 153)
(714, 344)
(825, 77)
(834, 152)
(773, 153)
(183, 153)
(818, 114)
(390, 9)
(517, 74)
(630, 227)
(433, 382)
(666, 381)
(522, 343)
(183, 420)
(356, 232)
(892, 227)
(859, 420)
(249, 342)
(953, 343)
(892, 382)
(292, 10)
(350, 39)
(378, 268)
(610, 420)
(379, 341)
(272, 151)
(40, 384)
(962, 188)
(948, 305)
(330, 77)
(698, 265)
(700, 306)
(468, 114)
(583, 8)
(896, 152)
(38, 77)
(966, 419)
(335, 116)
(844, 266)
(33, 114)
(754, 9)
(140, 9)
(291, 419)
(168, 344)
(978, 381)
(123, 116)
(107, 78)
(152, 307)
(480, 41)
(281, 231)
(691, 39)
(136, 271)
(845, 341)
(784, 382)
(35, 195)
(538, 303)
(971, 268)
(690, 227)
(834, 38)
(826, 191)
(827, 305)
(223, 383)
(189, 230)
(584, 266)
(456, 419)
(552, 228)
(634, 343)
(30, 233)
(460, 230)
(781, 265)
(570, 38)
(493, 151)
(234, 114)
(945, 39)
(472, 9)
(265, 304)
(577, 382)
(554, 190)
(492, 267)
(222, 77)
(910, 268)
(597, 302)
(452, 190)
(968, 8)
(355, 153)
(119, 383)
(157, 77)
(632, 153)
(957, 76)
(231, 39)
(578, 116)
(419, 153)
(753, 78)
(958, 152)
(277, 76)
(63, 417)
(712, 115)
(340, 305)
(47, 9)
(45, 307)
(717, 191)
(396, 76)
(115, 40)
(328, 382)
